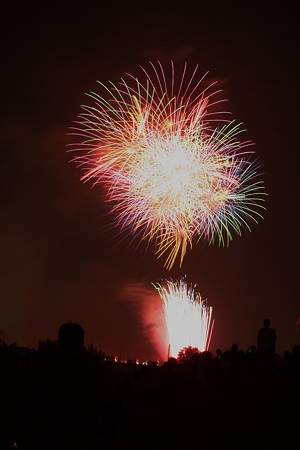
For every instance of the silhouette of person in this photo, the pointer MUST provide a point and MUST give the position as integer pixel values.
(266, 342)
(67, 397)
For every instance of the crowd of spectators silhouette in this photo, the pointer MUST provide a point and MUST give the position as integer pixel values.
(64, 396)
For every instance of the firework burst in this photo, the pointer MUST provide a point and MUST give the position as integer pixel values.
(170, 176)
(187, 317)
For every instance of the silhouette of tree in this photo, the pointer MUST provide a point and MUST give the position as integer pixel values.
(96, 354)
(187, 353)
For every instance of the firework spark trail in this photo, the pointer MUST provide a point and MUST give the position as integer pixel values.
(170, 176)
(188, 318)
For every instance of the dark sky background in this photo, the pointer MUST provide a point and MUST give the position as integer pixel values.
(60, 259)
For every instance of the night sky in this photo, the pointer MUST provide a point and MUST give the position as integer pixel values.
(61, 257)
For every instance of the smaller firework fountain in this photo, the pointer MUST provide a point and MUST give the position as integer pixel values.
(187, 317)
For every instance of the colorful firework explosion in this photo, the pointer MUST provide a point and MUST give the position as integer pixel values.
(170, 176)
(187, 317)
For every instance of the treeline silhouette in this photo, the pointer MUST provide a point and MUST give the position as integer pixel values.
(64, 396)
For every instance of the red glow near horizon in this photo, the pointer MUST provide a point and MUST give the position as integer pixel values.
(148, 306)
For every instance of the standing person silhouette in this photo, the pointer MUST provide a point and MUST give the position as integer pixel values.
(266, 342)
(72, 391)
(66, 398)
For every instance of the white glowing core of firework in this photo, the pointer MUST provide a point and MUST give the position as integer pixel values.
(188, 318)
(175, 185)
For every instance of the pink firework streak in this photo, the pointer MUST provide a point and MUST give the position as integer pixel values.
(172, 174)
(188, 318)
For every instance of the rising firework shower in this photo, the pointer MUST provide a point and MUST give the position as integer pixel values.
(187, 317)
(173, 166)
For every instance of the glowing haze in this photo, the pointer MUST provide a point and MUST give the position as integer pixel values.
(172, 174)
(187, 317)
